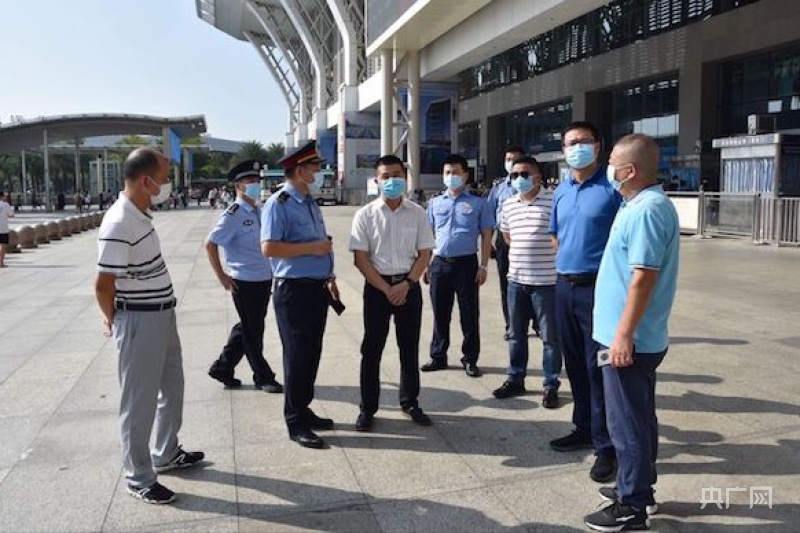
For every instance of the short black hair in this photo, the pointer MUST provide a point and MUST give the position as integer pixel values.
(456, 159)
(514, 148)
(582, 125)
(528, 160)
(2, 194)
(141, 162)
(386, 160)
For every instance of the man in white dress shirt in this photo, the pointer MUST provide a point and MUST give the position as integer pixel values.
(392, 244)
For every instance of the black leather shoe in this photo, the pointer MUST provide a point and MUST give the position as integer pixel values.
(272, 387)
(550, 400)
(418, 416)
(572, 442)
(433, 365)
(307, 438)
(604, 468)
(225, 379)
(320, 424)
(472, 370)
(509, 389)
(364, 421)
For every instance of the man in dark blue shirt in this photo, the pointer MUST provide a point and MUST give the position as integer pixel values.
(584, 206)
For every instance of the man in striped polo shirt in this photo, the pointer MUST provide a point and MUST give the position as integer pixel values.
(134, 292)
(531, 279)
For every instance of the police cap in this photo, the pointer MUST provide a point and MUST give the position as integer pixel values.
(246, 169)
(305, 154)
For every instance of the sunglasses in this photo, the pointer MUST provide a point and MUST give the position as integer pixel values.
(524, 175)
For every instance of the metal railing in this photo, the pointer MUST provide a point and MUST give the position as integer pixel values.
(761, 217)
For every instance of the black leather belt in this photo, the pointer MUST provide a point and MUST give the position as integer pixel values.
(579, 279)
(459, 259)
(395, 278)
(129, 306)
(303, 281)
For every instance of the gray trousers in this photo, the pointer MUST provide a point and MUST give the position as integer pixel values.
(151, 379)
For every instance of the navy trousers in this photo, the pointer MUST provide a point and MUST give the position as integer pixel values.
(501, 255)
(630, 395)
(301, 310)
(574, 305)
(448, 281)
(247, 336)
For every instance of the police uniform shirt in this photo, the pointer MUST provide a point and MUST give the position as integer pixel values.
(457, 223)
(291, 217)
(393, 238)
(238, 232)
(501, 191)
(130, 250)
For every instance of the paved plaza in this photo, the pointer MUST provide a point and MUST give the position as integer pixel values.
(728, 399)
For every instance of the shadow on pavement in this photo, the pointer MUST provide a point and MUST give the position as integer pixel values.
(707, 340)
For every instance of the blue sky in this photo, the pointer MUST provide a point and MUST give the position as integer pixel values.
(133, 56)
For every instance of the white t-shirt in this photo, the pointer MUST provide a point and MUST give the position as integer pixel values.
(392, 238)
(5, 212)
(129, 249)
(531, 256)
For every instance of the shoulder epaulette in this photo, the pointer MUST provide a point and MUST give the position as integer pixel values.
(232, 209)
(283, 196)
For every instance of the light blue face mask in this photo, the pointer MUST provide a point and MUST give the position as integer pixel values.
(253, 191)
(453, 181)
(393, 188)
(315, 186)
(611, 176)
(580, 155)
(522, 185)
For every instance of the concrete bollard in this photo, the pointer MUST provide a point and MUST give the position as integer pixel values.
(83, 222)
(13, 242)
(40, 234)
(27, 237)
(63, 228)
(53, 230)
(98, 218)
(74, 224)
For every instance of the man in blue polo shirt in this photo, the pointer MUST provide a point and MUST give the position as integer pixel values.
(634, 295)
(584, 206)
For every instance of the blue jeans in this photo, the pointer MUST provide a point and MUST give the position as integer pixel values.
(631, 414)
(524, 303)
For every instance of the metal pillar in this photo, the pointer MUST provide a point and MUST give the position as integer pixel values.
(387, 116)
(413, 119)
(25, 185)
(47, 205)
(78, 179)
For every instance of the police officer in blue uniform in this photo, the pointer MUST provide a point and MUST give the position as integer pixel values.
(294, 238)
(457, 218)
(249, 280)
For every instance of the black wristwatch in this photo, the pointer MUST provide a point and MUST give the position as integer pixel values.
(411, 282)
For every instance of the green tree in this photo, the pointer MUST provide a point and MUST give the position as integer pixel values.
(275, 151)
(251, 150)
(133, 140)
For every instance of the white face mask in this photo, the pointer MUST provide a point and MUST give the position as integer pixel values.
(164, 191)
(509, 166)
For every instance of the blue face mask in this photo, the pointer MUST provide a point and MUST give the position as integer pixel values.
(453, 181)
(393, 188)
(315, 186)
(522, 185)
(253, 191)
(580, 155)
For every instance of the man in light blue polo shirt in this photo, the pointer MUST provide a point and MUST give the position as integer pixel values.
(633, 299)
(584, 206)
(458, 220)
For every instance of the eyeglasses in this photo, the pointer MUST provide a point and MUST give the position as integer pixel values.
(576, 142)
(524, 175)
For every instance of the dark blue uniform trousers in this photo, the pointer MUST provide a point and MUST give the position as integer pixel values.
(301, 309)
(501, 256)
(574, 305)
(407, 323)
(449, 280)
(247, 336)
(630, 395)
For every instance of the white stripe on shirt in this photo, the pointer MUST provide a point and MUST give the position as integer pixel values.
(531, 256)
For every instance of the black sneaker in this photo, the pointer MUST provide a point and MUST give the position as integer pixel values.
(182, 460)
(507, 336)
(364, 421)
(618, 517)
(156, 494)
(509, 389)
(572, 442)
(604, 468)
(434, 364)
(550, 400)
(418, 416)
(609, 494)
(273, 387)
(226, 379)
